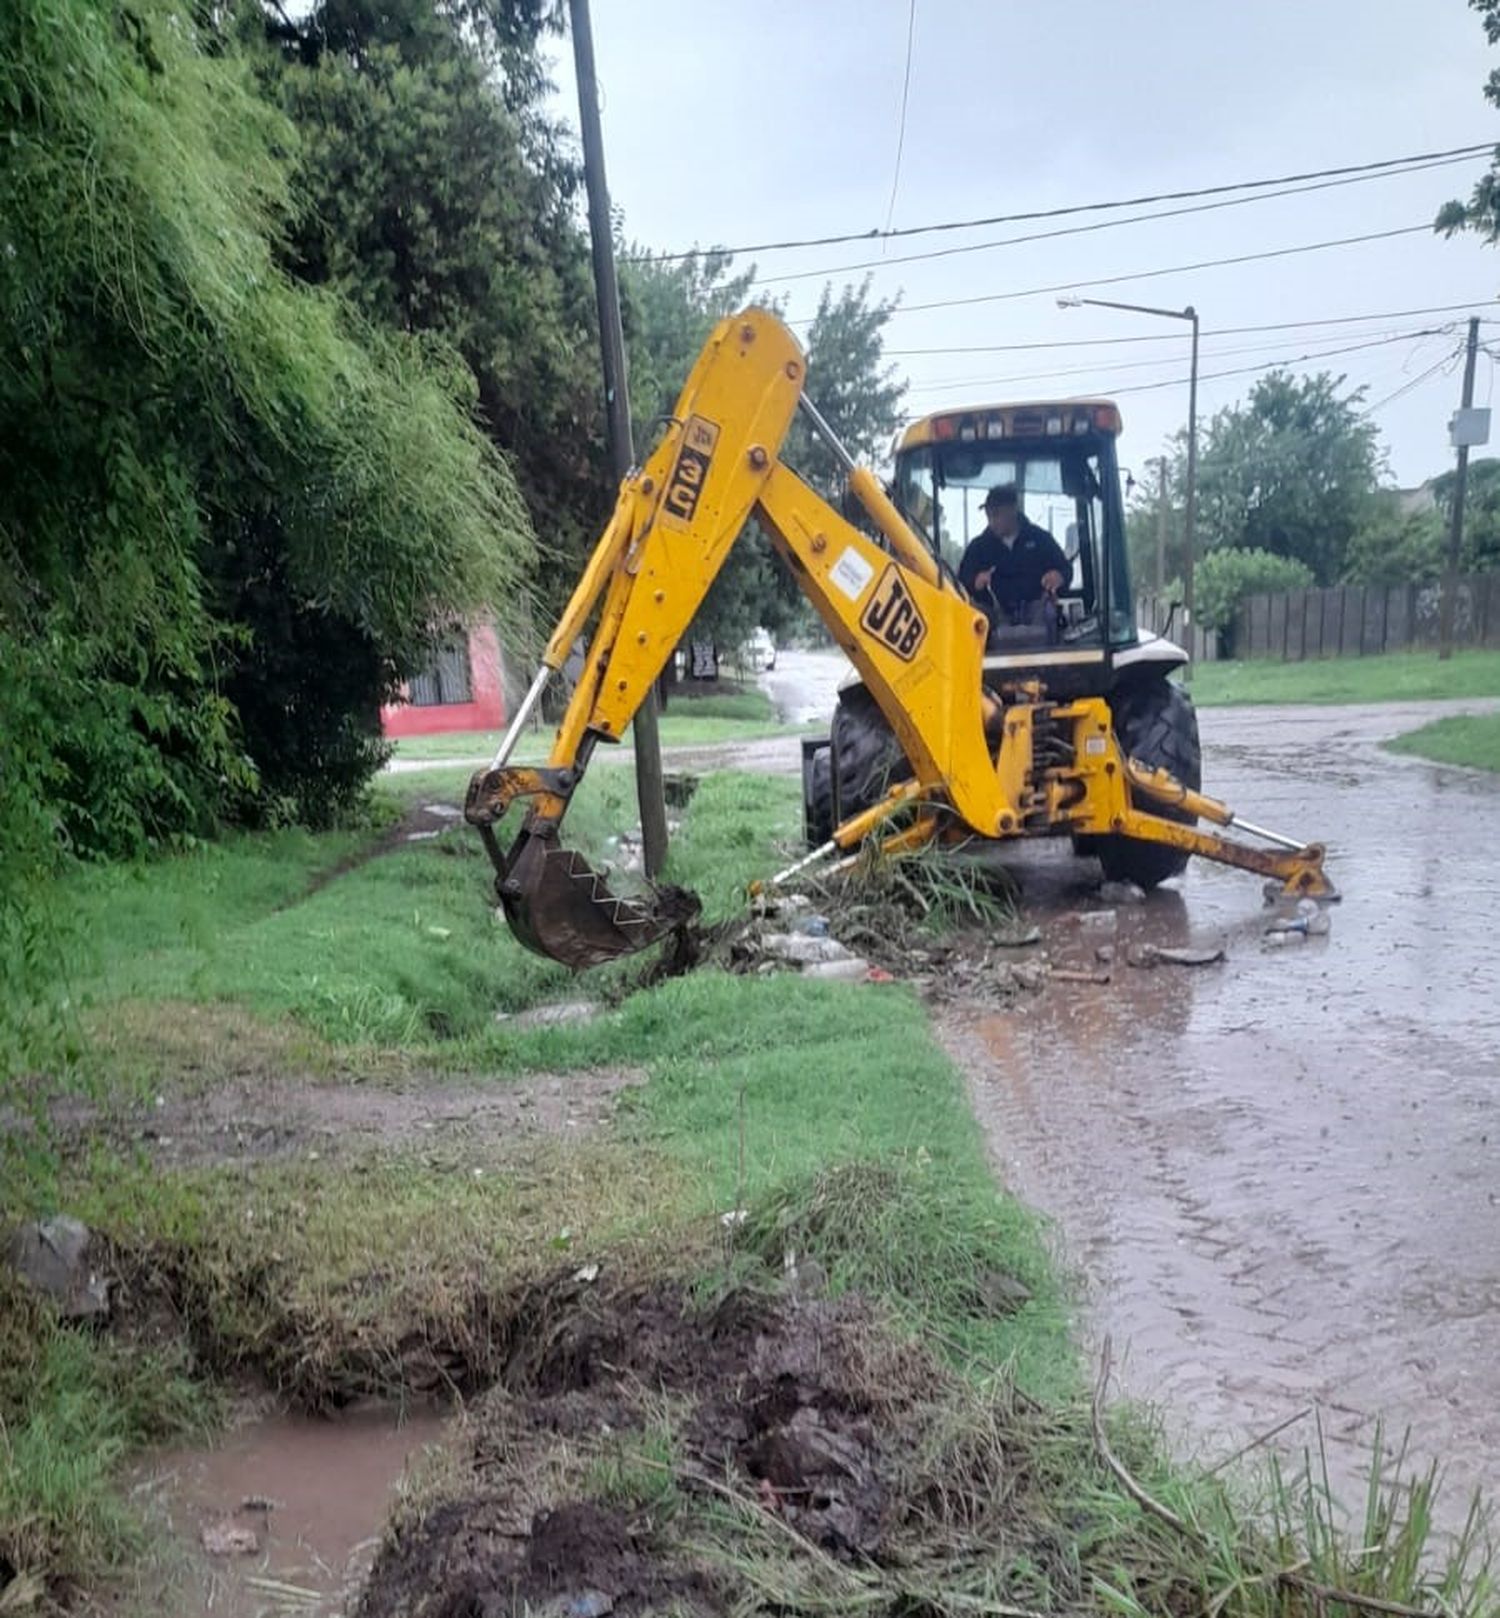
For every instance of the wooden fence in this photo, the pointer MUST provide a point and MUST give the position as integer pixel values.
(1353, 620)
(1152, 612)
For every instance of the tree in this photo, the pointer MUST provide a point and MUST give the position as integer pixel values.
(1482, 211)
(438, 198)
(1292, 472)
(1481, 511)
(1396, 546)
(208, 470)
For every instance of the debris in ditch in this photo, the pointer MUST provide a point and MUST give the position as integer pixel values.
(1094, 923)
(1022, 940)
(1310, 921)
(1121, 893)
(230, 1539)
(1149, 955)
(1066, 974)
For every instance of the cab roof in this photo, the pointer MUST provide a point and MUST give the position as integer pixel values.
(1036, 419)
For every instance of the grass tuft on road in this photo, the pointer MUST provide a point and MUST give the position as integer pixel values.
(1469, 739)
(1398, 677)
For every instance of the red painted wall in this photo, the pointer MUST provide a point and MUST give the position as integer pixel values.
(485, 712)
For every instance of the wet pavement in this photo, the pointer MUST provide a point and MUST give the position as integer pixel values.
(1278, 1177)
(314, 1495)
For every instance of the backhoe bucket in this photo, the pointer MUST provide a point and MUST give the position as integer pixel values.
(558, 905)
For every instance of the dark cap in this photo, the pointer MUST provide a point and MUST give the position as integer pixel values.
(1003, 494)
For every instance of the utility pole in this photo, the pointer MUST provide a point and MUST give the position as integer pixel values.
(1460, 488)
(648, 775)
(1190, 515)
(1161, 531)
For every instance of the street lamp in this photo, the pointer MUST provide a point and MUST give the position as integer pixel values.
(1190, 517)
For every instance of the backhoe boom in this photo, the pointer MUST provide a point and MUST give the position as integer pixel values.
(916, 640)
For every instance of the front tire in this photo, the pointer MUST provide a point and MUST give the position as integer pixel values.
(1155, 723)
(862, 762)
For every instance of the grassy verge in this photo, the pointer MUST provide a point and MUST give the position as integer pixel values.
(820, 1117)
(1473, 740)
(723, 716)
(1400, 677)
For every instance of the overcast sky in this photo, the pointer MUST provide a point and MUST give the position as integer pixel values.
(742, 121)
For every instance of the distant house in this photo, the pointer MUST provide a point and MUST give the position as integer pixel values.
(1411, 501)
(462, 690)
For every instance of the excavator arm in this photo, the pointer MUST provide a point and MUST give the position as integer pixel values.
(915, 639)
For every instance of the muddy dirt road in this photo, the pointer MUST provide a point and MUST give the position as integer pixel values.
(1278, 1177)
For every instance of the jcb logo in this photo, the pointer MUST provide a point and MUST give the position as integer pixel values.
(892, 615)
(691, 472)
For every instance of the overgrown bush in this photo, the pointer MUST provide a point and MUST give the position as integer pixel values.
(235, 515)
(1226, 576)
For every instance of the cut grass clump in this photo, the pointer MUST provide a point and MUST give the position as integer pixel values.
(1468, 739)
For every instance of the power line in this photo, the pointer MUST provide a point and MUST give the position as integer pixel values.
(911, 30)
(1270, 365)
(1075, 208)
(1098, 224)
(1172, 337)
(1147, 275)
(1415, 382)
(1370, 340)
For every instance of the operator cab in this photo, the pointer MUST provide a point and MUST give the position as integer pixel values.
(1060, 457)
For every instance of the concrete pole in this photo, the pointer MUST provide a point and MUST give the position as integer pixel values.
(1190, 515)
(647, 738)
(1162, 511)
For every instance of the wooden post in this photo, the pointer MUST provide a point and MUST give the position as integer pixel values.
(1456, 525)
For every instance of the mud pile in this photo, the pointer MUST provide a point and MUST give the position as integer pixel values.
(658, 1456)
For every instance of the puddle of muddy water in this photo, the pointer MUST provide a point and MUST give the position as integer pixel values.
(314, 1493)
(1279, 1177)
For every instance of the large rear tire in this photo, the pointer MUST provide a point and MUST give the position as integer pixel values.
(862, 762)
(1155, 723)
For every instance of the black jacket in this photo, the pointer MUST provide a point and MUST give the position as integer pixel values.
(1017, 567)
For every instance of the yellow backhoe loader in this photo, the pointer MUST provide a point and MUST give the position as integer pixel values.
(954, 731)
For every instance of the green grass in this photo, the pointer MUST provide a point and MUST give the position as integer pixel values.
(1471, 739)
(1399, 677)
(825, 1112)
(723, 716)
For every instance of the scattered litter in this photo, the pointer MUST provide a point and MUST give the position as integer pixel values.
(1097, 921)
(735, 1216)
(422, 836)
(591, 1604)
(878, 974)
(443, 811)
(556, 1013)
(842, 969)
(230, 1539)
(1311, 921)
(258, 1502)
(1121, 893)
(440, 932)
(1104, 953)
(804, 950)
(1029, 977)
(1064, 974)
(1165, 955)
(587, 1273)
(813, 926)
(1032, 935)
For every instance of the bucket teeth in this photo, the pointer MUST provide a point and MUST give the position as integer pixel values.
(559, 906)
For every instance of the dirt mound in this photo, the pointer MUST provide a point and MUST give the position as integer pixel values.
(586, 1484)
(761, 1454)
